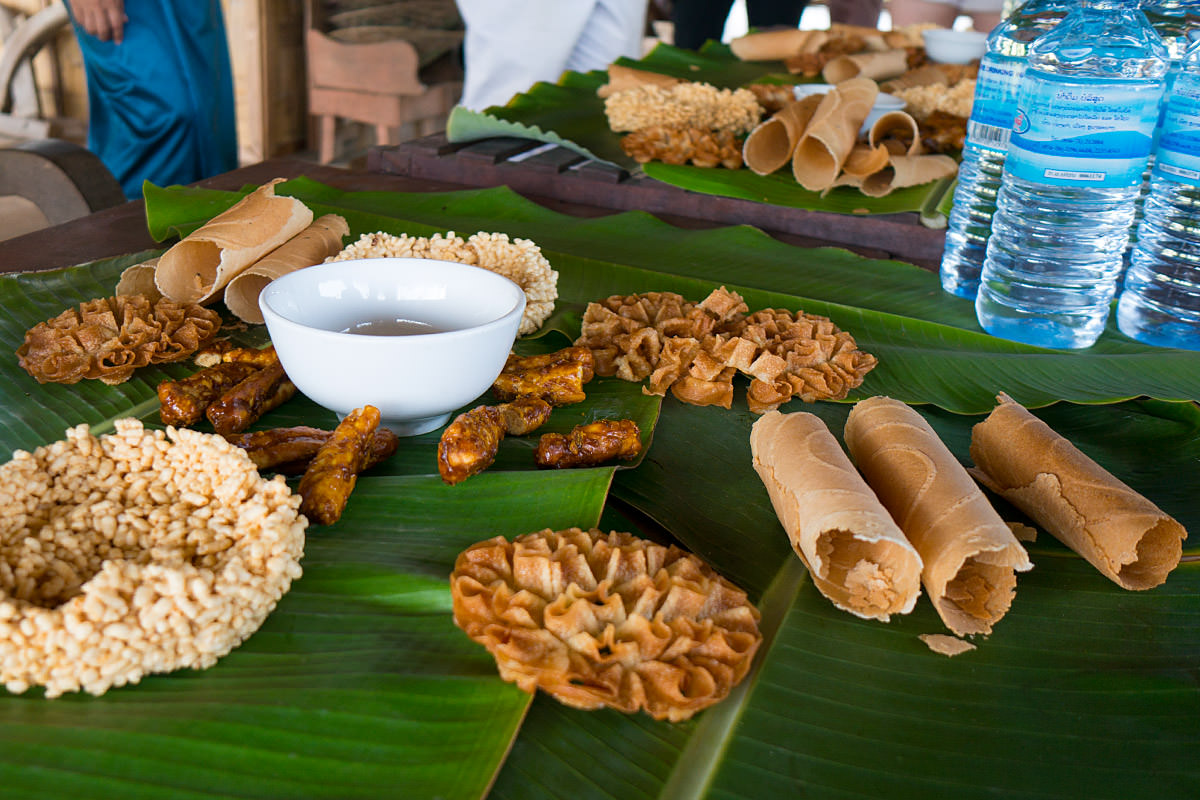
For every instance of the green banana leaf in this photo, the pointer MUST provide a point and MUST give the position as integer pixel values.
(569, 114)
(359, 685)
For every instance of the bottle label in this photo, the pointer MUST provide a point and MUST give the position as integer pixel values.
(1083, 132)
(1178, 155)
(995, 102)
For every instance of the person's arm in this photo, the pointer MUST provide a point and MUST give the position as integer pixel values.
(104, 19)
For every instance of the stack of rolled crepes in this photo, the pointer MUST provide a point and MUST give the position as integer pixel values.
(238, 252)
(938, 524)
(819, 136)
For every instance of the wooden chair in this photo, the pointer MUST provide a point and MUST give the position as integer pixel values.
(51, 181)
(376, 83)
(21, 114)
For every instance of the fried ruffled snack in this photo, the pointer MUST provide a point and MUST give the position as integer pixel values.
(606, 620)
(239, 407)
(327, 483)
(109, 337)
(469, 444)
(694, 349)
(590, 444)
(681, 144)
(289, 451)
(184, 401)
(557, 377)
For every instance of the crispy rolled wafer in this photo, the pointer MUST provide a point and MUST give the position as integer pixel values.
(198, 267)
(139, 279)
(877, 66)
(621, 78)
(1121, 533)
(969, 554)
(321, 239)
(898, 125)
(777, 45)
(866, 160)
(856, 554)
(184, 401)
(239, 407)
(326, 485)
(904, 171)
(771, 144)
(290, 450)
(831, 133)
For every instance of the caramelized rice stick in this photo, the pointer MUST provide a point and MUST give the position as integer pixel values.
(252, 355)
(593, 443)
(469, 444)
(290, 450)
(327, 483)
(183, 402)
(242, 405)
(557, 377)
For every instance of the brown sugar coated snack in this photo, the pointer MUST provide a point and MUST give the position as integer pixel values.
(599, 619)
(134, 553)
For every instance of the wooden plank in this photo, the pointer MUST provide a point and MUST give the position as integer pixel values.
(493, 151)
(551, 161)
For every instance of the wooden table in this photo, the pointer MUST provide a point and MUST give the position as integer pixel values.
(122, 229)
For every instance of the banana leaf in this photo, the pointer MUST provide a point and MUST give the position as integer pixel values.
(569, 114)
(359, 685)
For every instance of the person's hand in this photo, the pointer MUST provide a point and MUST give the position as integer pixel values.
(104, 19)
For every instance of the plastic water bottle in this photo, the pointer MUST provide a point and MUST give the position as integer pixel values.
(1086, 113)
(988, 129)
(1160, 301)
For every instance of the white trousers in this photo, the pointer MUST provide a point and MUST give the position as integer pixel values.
(512, 44)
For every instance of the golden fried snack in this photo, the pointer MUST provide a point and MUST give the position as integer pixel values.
(109, 337)
(327, 483)
(524, 415)
(469, 444)
(688, 104)
(557, 377)
(682, 144)
(242, 405)
(598, 620)
(290, 450)
(264, 357)
(184, 401)
(690, 349)
(590, 444)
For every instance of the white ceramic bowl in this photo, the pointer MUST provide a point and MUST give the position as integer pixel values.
(883, 102)
(432, 335)
(954, 47)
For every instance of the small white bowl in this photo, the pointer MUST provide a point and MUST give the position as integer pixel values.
(883, 102)
(432, 335)
(954, 47)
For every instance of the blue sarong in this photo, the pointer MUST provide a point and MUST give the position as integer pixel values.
(160, 104)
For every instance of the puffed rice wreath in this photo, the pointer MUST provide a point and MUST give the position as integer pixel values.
(598, 619)
(136, 552)
(519, 260)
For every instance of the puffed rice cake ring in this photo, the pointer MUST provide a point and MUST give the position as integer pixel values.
(134, 553)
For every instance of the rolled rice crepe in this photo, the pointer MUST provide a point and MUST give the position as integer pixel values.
(777, 45)
(877, 66)
(321, 239)
(865, 160)
(621, 77)
(857, 556)
(1121, 533)
(900, 172)
(771, 144)
(139, 279)
(199, 266)
(898, 125)
(970, 555)
(832, 132)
